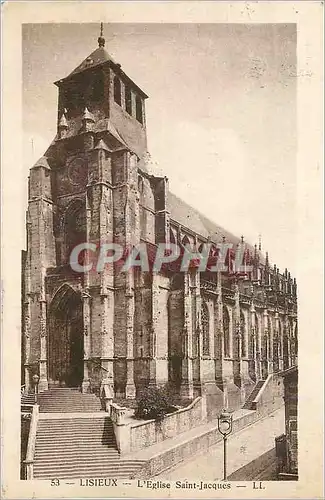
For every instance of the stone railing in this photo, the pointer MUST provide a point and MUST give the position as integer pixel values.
(29, 461)
(106, 397)
(228, 293)
(209, 286)
(132, 435)
(120, 426)
(270, 396)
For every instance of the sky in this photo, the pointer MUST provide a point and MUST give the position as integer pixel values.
(221, 114)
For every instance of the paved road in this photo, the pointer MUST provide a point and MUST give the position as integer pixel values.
(243, 447)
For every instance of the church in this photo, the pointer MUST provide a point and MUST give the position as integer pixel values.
(201, 332)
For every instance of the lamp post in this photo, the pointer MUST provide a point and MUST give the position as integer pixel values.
(225, 428)
(35, 381)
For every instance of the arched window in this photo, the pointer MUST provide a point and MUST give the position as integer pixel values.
(75, 227)
(280, 339)
(257, 335)
(226, 332)
(185, 241)
(243, 335)
(140, 184)
(205, 330)
(172, 238)
(117, 90)
(128, 100)
(138, 109)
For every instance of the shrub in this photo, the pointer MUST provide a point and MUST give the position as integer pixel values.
(153, 403)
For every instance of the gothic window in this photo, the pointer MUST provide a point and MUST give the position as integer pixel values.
(257, 334)
(140, 184)
(205, 330)
(243, 335)
(172, 238)
(280, 339)
(75, 227)
(226, 332)
(128, 100)
(269, 332)
(138, 109)
(185, 241)
(117, 90)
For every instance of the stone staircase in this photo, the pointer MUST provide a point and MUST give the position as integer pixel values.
(249, 405)
(66, 400)
(78, 445)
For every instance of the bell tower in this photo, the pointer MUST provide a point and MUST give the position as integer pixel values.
(84, 190)
(99, 96)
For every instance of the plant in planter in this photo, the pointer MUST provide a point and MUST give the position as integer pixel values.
(153, 403)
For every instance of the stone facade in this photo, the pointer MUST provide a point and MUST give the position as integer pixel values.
(204, 332)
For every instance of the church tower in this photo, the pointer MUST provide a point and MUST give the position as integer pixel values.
(84, 189)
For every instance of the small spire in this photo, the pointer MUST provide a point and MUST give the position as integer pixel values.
(63, 122)
(242, 239)
(102, 145)
(267, 259)
(260, 242)
(88, 116)
(101, 39)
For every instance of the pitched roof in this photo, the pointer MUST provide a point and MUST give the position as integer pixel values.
(99, 56)
(190, 218)
(96, 58)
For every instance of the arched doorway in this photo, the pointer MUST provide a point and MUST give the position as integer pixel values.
(66, 350)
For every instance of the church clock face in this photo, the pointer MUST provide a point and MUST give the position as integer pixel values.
(77, 172)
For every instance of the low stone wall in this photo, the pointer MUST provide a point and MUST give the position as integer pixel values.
(132, 435)
(270, 397)
(150, 432)
(164, 460)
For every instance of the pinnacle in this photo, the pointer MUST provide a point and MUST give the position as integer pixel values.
(102, 145)
(63, 122)
(88, 116)
(42, 162)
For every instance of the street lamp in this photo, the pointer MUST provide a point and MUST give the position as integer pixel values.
(225, 428)
(35, 382)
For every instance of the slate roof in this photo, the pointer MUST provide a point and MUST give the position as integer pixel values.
(190, 218)
(96, 58)
(99, 56)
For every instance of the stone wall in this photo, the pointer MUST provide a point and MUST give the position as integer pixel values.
(270, 398)
(132, 435)
(151, 432)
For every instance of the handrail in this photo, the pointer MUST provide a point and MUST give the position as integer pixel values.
(98, 363)
(29, 461)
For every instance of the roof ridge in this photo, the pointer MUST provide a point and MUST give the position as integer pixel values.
(204, 220)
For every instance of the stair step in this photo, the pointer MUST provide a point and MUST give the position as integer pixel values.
(82, 468)
(77, 462)
(74, 475)
(74, 447)
(108, 454)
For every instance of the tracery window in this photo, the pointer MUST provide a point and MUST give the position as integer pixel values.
(205, 330)
(226, 332)
(243, 336)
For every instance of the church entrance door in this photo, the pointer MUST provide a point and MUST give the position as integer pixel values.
(66, 350)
